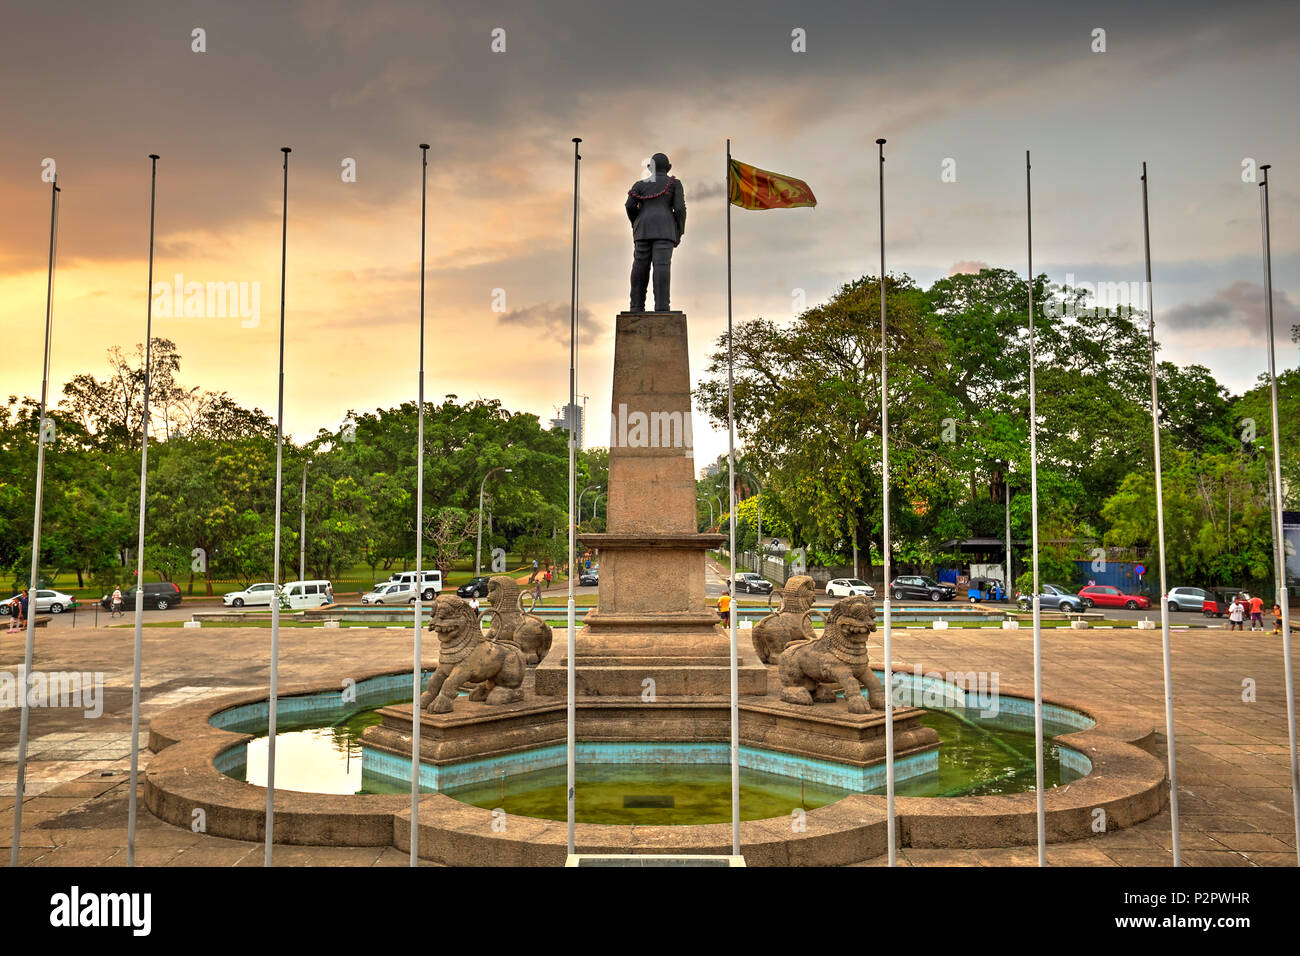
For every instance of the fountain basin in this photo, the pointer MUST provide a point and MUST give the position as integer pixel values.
(1125, 782)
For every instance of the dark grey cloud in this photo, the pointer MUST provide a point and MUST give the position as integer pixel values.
(550, 321)
(1239, 306)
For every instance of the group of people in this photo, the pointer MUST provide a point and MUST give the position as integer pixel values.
(18, 612)
(1243, 605)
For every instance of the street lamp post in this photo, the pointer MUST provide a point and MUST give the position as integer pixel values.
(302, 532)
(594, 502)
(478, 544)
(709, 505)
(584, 491)
(759, 541)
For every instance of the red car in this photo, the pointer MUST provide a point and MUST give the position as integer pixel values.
(1103, 595)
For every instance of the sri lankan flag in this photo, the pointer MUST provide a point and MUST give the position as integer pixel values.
(752, 188)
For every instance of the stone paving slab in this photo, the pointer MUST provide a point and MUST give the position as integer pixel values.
(1232, 755)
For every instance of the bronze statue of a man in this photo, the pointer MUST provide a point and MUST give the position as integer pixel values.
(657, 210)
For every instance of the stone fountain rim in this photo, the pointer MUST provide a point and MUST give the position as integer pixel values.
(1126, 781)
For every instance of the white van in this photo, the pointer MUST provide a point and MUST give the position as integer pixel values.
(432, 582)
(306, 594)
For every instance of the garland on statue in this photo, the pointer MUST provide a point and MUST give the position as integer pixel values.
(663, 192)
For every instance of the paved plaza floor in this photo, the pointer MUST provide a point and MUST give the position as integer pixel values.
(1233, 765)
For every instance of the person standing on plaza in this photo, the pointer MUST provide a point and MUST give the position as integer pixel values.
(22, 610)
(115, 602)
(13, 614)
(1236, 611)
(724, 607)
(1257, 613)
(1277, 618)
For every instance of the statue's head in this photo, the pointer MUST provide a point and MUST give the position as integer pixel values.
(661, 163)
(453, 618)
(856, 617)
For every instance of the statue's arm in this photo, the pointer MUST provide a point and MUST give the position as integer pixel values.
(633, 206)
(679, 207)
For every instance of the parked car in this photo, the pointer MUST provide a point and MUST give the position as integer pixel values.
(432, 582)
(390, 592)
(159, 594)
(297, 595)
(590, 577)
(1106, 595)
(1052, 596)
(752, 583)
(920, 586)
(1186, 599)
(254, 595)
(1217, 601)
(849, 587)
(474, 587)
(53, 601)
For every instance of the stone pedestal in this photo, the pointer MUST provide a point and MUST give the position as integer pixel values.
(653, 619)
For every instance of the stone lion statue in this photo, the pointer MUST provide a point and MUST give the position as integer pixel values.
(466, 656)
(790, 622)
(839, 656)
(511, 624)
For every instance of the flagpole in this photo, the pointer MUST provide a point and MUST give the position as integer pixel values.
(1283, 598)
(1160, 533)
(570, 703)
(139, 567)
(890, 823)
(21, 783)
(273, 704)
(417, 635)
(1041, 808)
(732, 610)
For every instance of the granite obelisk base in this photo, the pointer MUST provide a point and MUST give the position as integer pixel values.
(653, 631)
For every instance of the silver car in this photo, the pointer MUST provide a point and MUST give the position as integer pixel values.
(53, 601)
(391, 592)
(1186, 599)
(1053, 596)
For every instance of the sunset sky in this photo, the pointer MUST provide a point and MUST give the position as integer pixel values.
(1193, 88)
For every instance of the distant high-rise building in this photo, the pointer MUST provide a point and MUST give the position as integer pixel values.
(570, 413)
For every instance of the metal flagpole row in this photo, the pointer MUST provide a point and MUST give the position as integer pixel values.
(733, 664)
(417, 650)
(1033, 504)
(139, 566)
(1160, 535)
(890, 823)
(570, 706)
(30, 646)
(273, 704)
(1279, 550)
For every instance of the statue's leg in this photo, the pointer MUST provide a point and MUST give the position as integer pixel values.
(436, 680)
(640, 273)
(852, 690)
(447, 696)
(663, 258)
(875, 689)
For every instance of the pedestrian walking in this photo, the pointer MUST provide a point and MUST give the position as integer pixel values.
(22, 610)
(1277, 619)
(1236, 611)
(724, 607)
(1257, 613)
(537, 593)
(116, 602)
(548, 578)
(13, 614)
